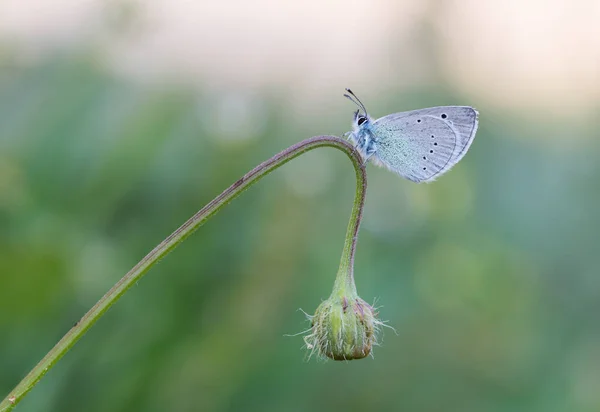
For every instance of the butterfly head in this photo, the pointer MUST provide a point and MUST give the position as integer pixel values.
(361, 134)
(361, 117)
(360, 120)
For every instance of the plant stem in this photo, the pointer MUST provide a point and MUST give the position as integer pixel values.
(185, 230)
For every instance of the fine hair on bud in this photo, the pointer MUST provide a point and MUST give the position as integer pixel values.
(343, 328)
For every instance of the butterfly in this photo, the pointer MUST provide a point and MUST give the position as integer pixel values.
(419, 145)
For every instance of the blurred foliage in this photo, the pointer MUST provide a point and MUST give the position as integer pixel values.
(490, 275)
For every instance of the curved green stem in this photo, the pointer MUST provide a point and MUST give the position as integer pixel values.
(185, 230)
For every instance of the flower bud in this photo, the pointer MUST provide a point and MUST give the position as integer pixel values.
(344, 327)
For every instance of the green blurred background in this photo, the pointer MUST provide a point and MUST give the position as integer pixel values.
(120, 119)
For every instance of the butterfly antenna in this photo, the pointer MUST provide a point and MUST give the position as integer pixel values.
(359, 104)
(351, 99)
(360, 107)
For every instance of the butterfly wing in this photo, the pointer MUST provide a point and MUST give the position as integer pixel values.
(423, 144)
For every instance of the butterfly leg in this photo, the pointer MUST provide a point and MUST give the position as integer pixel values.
(366, 159)
(347, 136)
(371, 149)
(355, 150)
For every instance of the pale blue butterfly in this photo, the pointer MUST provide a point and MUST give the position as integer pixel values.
(419, 145)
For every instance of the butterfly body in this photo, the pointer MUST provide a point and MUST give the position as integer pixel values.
(419, 145)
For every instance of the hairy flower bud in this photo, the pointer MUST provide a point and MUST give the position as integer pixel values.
(344, 327)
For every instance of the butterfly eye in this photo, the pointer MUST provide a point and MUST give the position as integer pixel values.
(361, 120)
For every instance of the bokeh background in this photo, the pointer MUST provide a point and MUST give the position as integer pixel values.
(119, 119)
